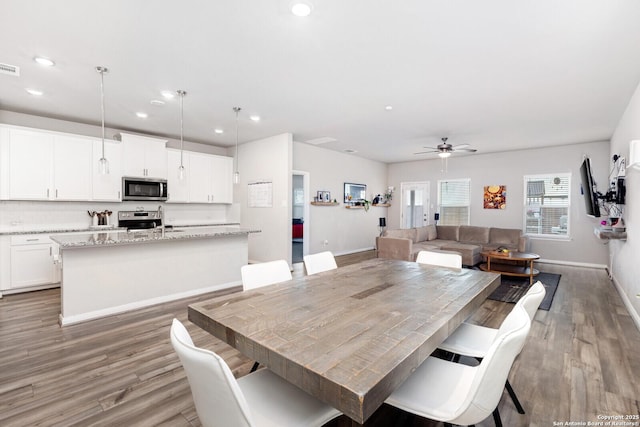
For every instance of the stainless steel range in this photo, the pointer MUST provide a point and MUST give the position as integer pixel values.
(140, 220)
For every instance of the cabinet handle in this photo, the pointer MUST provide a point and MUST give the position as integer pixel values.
(56, 193)
(118, 194)
(47, 193)
(32, 240)
(50, 253)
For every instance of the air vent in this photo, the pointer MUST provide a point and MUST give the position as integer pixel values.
(321, 140)
(11, 70)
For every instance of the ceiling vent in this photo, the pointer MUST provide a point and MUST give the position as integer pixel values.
(11, 70)
(321, 140)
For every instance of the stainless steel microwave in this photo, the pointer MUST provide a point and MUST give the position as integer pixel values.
(144, 189)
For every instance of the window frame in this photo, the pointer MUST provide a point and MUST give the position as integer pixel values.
(527, 206)
(468, 195)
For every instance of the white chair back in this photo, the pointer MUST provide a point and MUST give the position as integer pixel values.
(443, 259)
(216, 394)
(532, 299)
(264, 273)
(317, 263)
(491, 375)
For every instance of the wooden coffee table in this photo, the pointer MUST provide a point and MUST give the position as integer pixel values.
(493, 264)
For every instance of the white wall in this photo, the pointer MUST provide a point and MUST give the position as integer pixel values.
(345, 230)
(625, 268)
(267, 159)
(508, 169)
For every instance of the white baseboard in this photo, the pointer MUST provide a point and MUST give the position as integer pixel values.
(572, 263)
(69, 320)
(354, 251)
(627, 303)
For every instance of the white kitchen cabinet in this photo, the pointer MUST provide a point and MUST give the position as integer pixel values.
(144, 156)
(72, 168)
(208, 178)
(32, 261)
(201, 178)
(178, 188)
(222, 179)
(28, 173)
(107, 187)
(42, 165)
(5, 263)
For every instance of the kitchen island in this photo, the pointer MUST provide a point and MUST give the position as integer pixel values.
(109, 273)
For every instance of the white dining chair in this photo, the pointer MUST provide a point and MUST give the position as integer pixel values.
(460, 394)
(443, 259)
(258, 399)
(475, 340)
(264, 273)
(317, 263)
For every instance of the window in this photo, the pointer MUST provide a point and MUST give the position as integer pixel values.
(546, 205)
(453, 201)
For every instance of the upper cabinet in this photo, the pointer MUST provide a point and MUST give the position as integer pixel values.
(45, 165)
(222, 179)
(72, 167)
(107, 187)
(178, 189)
(41, 165)
(144, 156)
(207, 178)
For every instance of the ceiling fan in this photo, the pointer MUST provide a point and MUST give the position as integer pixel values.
(445, 149)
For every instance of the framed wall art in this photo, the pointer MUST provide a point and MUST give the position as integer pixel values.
(495, 197)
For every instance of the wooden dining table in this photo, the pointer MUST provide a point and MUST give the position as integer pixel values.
(352, 335)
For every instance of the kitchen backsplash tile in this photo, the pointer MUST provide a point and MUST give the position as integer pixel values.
(27, 215)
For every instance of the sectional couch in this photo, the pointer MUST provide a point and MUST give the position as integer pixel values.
(467, 240)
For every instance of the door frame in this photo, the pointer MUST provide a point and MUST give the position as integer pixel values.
(306, 177)
(427, 205)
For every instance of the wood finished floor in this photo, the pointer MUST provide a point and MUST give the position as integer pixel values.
(581, 360)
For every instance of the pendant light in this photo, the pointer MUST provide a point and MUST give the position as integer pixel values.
(181, 169)
(236, 174)
(103, 163)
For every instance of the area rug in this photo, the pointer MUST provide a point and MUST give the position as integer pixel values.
(512, 288)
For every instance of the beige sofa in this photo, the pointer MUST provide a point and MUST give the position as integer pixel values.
(467, 240)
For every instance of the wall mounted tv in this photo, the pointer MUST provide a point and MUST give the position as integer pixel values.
(588, 189)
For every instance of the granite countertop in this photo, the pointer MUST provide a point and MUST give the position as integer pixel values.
(94, 229)
(97, 238)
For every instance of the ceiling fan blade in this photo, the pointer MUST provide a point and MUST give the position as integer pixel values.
(457, 147)
(470, 150)
(427, 152)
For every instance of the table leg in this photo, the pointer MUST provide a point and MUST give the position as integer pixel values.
(531, 272)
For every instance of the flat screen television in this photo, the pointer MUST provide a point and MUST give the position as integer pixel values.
(588, 189)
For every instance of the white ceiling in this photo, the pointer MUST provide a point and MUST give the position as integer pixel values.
(496, 74)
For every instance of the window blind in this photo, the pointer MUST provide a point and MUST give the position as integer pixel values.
(454, 201)
(547, 202)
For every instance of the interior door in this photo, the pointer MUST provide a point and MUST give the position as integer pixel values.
(415, 204)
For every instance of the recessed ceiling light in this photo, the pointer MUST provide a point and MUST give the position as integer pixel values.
(255, 118)
(142, 115)
(168, 94)
(34, 92)
(156, 102)
(44, 61)
(388, 107)
(301, 9)
(218, 131)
